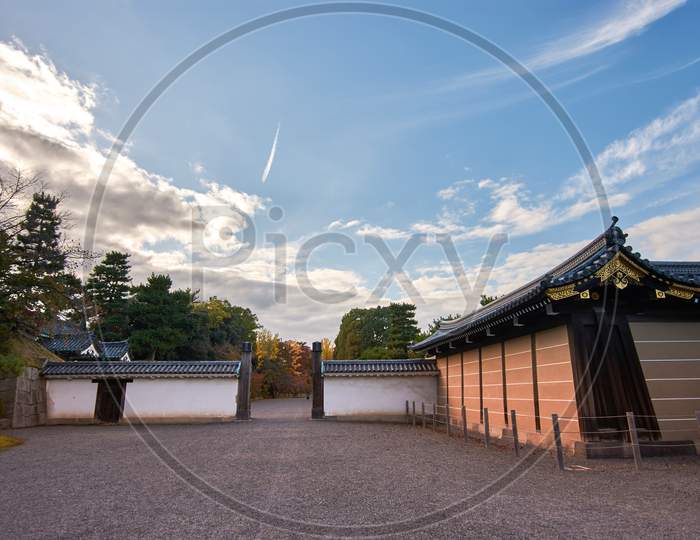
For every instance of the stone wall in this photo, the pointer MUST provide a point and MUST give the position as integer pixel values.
(24, 399)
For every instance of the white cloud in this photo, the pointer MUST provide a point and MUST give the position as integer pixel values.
(663, 149)
(671, 236)
(453, 189)
(197, 167)
(36, 97)
(340, 224)
(629, 19)
(387, 233)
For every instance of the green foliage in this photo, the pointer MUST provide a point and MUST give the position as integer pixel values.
(228, 326)
(486, 299)
(381, 332)
(108, 286)
(33, 278)
(160, 319)
(11, 365)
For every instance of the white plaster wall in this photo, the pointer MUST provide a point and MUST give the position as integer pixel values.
(376, 396)
(181, 399)
(70, 399)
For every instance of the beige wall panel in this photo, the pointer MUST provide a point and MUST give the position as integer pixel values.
(556, 382)
(674, 384)
(667, 350)
(669, 388)
(671, 369)
(552, 337)
(665, 331)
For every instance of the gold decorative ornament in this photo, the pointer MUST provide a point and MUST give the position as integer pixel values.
(585, 295)
(680, 292)
(660, 294)
(559, 293)
(619, 271)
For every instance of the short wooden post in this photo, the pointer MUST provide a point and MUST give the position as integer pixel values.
(634, 440)
(413, 420)
(487, 431)
(317, 388)
(447, 418)
(557, 441)
(514, 429)
(422, 413)
(464, 422)
(243, 405)
(408, 414)
(434, 415)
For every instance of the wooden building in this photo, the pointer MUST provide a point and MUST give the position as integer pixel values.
(604, 333)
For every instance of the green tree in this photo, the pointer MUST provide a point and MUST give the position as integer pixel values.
(108, 286)
(403, 329)
(348, 343)
(227, 326)
(160, 320)
(36, 280)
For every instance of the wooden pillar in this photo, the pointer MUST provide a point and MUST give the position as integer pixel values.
(317, 405)
(244, 377)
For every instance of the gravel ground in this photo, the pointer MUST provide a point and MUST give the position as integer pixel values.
(284, 470)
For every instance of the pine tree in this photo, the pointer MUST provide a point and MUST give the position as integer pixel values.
(160, 320)
(109, 285)
(39, 239)
(403, 329)
(42, 288)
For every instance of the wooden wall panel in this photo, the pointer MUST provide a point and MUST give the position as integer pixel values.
(556, 382)
(472, 397)
(454, 388)
(493, 386)
(442, 388)
(670, 356)
(519, 384)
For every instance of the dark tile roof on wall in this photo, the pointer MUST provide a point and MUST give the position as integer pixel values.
(379, 367)
(102, 369)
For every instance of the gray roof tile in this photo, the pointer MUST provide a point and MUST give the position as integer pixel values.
(99, 369)
(408, 366)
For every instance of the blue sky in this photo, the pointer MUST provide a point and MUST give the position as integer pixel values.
(385, 127)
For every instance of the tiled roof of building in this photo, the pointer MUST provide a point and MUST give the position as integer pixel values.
(409, 366)
(578, 270)
(101, 369)
(68, 343)
(113, 350)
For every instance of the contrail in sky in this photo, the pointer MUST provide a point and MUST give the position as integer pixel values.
(271, 158)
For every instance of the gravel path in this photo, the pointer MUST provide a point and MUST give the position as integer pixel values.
(103, 481)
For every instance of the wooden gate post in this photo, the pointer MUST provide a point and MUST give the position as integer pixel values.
(464, 423)
(317, 388)
(514, 429)
(244, 377)
(557, 441)
(487, 429)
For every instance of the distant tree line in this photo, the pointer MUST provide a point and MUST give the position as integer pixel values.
(281, 368)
